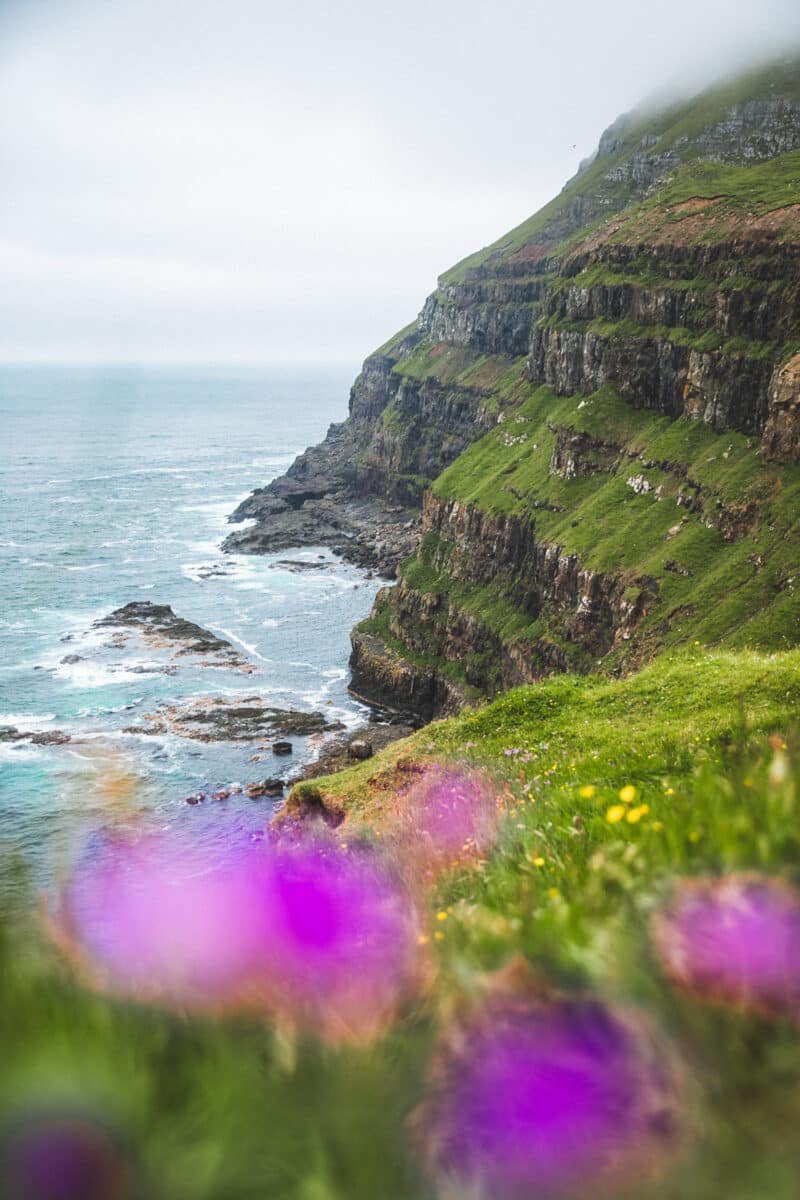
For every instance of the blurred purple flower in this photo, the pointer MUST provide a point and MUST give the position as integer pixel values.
(448, 817)
(340, 947)
(734, 940)
(158, 919)
(324, 939)
(537, 1099)
(61, 1158)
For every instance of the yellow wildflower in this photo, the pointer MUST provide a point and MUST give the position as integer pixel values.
(627, 793)
(669, 791)
(538, 862)
(587, 792)
(615, 814)
(636, 814)
(441, 916)
(439, 935)
(554, 893)
(656, 826)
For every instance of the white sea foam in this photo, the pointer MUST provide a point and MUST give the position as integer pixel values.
(16, 752)
(101, 710)
(248, 646)
(93, 675)
(27, 720)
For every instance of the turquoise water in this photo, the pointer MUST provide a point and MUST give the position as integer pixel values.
(115, 485)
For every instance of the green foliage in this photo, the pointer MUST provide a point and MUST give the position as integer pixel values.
(705, 342)
(744, 590)
(763, 186)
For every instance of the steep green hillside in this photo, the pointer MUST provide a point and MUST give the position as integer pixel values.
(638, 485)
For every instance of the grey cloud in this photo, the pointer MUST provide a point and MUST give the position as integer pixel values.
(188, 179)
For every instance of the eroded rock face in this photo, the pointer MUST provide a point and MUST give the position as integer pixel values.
(594, 611)
(381, 677)
(782, 431)
(359, 491)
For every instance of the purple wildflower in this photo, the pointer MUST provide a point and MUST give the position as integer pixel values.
(734, 940)
(322, 939)
(535, 1099)
(340, 941)
(155, 918)
(448, 817)
(61, 1158)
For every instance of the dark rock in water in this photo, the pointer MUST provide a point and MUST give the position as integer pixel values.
(50, 737)
(218, 719)
(72, 658)
(267, 787)
(298, 565)
(282, 748)
(198, 798)
(214, 570)
(53, 737)
(163, 629)
(360, 748)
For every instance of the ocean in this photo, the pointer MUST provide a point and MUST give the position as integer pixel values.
(116, 484)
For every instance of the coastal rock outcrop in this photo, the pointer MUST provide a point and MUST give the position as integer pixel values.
(161, 629)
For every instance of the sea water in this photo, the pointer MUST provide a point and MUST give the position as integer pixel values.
(115, 486)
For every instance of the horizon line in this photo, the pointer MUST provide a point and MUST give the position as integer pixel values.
(215, 364)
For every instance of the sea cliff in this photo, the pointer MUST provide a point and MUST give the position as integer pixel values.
(587, 447)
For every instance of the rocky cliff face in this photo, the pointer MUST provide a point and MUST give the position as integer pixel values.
(360, 490)
(598, 417)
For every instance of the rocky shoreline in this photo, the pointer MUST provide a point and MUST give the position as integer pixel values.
(319, 502)
(252, 722)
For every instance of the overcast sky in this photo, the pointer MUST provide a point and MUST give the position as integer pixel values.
(218, 180)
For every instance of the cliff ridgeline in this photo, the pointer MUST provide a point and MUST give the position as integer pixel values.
(587, 447)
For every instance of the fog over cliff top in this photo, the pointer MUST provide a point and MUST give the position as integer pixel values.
(247, 181)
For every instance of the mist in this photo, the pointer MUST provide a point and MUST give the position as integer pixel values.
(187, 180)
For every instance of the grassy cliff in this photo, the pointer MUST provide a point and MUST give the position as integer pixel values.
(632, 480)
